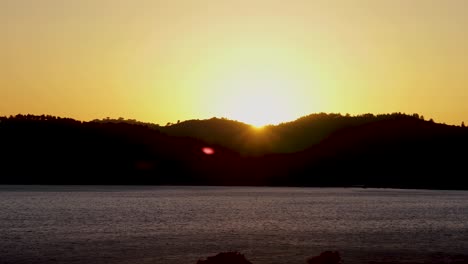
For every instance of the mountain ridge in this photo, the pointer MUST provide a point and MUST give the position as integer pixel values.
(287, 137)
(394, 150)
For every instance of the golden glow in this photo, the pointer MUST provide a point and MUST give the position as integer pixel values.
(257, 61)
(260, 93)
(258, 128)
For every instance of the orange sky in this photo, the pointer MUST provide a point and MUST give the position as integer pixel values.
(256, 61)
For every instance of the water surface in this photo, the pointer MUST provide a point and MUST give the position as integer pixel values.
(121, 224)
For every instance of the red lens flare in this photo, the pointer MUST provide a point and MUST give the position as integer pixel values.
(208, 151)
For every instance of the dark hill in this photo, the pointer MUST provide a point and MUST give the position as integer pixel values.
(399, 152)
(51, 150)
(393, 150)
(287, 137)
(228, 133)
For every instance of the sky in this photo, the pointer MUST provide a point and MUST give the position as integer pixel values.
(256, 61)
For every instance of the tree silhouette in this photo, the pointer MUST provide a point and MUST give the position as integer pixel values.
(317, 150)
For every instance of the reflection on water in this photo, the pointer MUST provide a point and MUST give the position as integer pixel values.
(120, 224)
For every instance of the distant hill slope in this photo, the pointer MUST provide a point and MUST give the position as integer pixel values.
(398, 152)
(319, 150)
(283, 138)
(51, 150)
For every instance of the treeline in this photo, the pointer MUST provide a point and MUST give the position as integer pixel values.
(284, 138)
(394, 150)
(52, 150)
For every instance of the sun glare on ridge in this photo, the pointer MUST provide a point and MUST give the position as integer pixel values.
(261, 84)
(261, 99)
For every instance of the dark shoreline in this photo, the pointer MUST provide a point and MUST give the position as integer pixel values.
(226, 186)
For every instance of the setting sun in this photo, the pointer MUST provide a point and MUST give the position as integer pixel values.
(262, 87)
(259, 102)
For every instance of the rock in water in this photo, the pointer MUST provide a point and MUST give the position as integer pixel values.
(226, 258)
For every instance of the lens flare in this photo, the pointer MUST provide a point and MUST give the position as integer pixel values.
(208, 151)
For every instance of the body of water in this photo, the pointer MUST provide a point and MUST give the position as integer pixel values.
(163, 224)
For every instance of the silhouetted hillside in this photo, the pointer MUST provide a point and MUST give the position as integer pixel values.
(396, 152)
(231, 134)
(51, 150)
(393, 150)
(284, 138)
